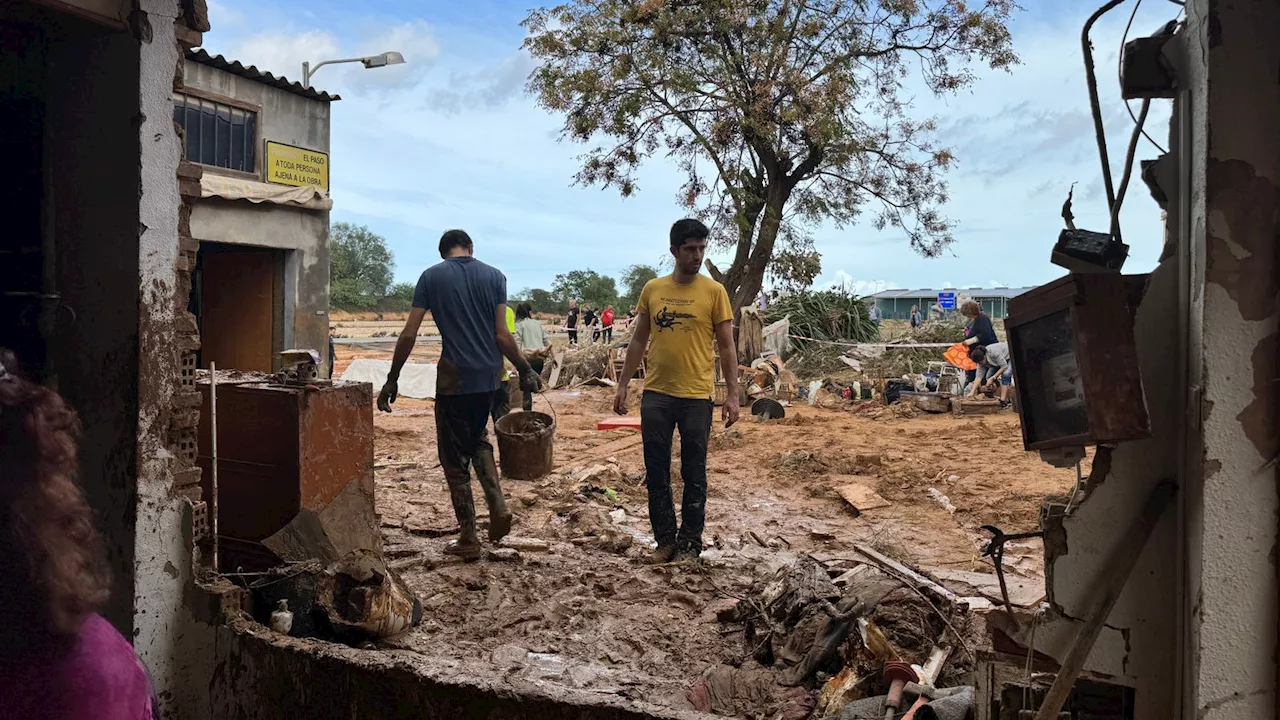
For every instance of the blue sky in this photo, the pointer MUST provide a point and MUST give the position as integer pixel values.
(451, 140)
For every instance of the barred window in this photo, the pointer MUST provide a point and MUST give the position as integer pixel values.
(217, 134)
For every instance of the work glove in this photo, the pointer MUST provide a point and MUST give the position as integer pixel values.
(530, 382)
(388, 395)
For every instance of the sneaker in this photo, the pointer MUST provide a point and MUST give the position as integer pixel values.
(663, 554)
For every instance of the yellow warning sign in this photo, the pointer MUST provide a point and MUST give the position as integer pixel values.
(299, 167)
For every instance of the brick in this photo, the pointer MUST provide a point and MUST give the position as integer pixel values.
(196, 15)
(189, 477)
(187, 37)
(189, 170)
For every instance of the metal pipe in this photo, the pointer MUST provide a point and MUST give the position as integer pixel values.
(213, 464)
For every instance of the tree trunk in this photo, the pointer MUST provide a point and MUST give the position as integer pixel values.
(745, 277)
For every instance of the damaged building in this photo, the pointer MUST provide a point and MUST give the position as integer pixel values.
(261, 281)
(119, 229)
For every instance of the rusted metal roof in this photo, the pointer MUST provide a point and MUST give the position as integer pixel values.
(252, 73)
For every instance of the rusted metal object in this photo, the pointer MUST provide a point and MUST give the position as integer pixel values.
(285, 449)
(1076, 363)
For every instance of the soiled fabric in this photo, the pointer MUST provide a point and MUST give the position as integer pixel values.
(98, 678)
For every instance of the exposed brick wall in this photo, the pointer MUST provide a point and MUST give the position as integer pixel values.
(184, 418)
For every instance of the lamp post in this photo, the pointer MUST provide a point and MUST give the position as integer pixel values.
(370, 62)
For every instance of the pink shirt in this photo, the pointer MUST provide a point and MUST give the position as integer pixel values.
(100, 678)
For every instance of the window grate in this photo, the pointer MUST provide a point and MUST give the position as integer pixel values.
(217, 134)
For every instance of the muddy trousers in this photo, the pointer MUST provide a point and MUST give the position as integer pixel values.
(537, 364)
(660, 416)
(462, 442)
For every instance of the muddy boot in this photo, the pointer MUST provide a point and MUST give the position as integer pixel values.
(487, 474)
(467, 546)
(663, 554)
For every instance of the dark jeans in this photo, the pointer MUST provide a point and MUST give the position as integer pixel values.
(462, 440)
(501, 403)
(608, 335)
(537, 364)
(660, 415)
(573, 337)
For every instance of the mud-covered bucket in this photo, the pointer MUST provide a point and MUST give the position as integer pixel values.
(525, 444)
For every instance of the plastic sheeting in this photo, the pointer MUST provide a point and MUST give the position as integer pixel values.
(417, 380)
(776, 338)
(231, 188)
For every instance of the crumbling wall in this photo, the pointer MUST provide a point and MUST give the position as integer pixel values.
(175, 645)
(1195, 629)
(264, 676)
(1232, 490)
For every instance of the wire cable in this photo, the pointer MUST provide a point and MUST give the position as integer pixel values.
(1091, 80)
(1120, 75)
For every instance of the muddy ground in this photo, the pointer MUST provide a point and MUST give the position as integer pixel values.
(579, 607)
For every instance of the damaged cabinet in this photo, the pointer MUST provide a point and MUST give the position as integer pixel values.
(284, 449)
(1075, 362)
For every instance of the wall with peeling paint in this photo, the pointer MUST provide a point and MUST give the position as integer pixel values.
(1195, 630)
(175, 647)
(1232, 538)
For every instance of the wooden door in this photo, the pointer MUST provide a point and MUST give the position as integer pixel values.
(238, 309)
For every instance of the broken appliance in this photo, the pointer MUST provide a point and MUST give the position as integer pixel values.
(1076, 364)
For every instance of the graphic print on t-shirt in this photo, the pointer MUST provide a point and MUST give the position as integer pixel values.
(665, 319)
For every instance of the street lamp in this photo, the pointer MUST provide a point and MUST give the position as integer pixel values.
(372, 61)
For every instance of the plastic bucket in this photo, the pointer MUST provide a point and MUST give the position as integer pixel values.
(526, 444)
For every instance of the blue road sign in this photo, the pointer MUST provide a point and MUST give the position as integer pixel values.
(947, 300)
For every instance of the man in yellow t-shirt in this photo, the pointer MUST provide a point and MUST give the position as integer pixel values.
(681, 319)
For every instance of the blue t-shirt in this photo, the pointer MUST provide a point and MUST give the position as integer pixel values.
(463, 295)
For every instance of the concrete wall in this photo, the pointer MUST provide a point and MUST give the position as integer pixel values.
(1232, 494)
(284, 117)
(263, 676)
(288, 118)
(177, 649)
(1195, 630)
(303, 232)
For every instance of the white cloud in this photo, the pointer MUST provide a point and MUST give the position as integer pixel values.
(450, 140)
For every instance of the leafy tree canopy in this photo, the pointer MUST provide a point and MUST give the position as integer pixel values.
(587, 286)
(633, 281)
(360, 267)
(782, 114)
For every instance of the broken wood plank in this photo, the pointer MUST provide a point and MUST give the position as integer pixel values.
(856, 490)
(621, 422)
(431, 532)
(557, 365)
(905, 572)
(1024, 593)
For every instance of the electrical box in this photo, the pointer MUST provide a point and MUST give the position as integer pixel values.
(1075, 364)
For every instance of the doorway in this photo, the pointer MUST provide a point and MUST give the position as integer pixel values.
(237, 298)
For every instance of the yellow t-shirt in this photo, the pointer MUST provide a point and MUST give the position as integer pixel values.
(511, 325)
(682, 320)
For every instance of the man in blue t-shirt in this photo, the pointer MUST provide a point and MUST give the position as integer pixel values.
(468, 301)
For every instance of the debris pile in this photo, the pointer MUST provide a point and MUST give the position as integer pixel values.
(818, 637)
